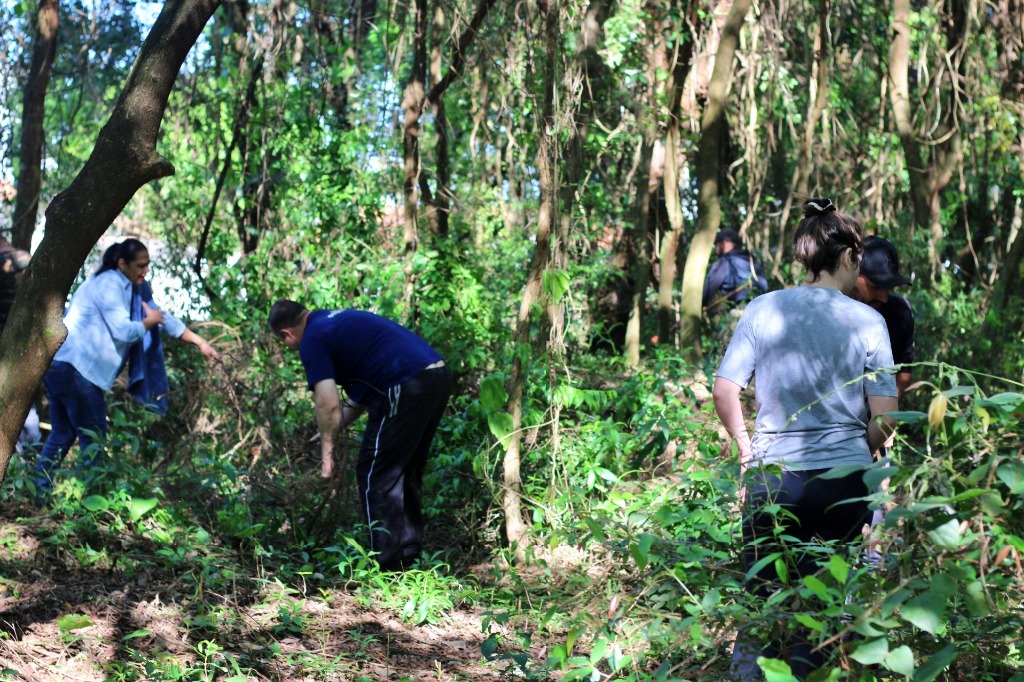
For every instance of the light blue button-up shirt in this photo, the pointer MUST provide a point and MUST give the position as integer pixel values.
(100, 328)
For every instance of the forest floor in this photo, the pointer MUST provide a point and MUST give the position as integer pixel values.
(111, 621)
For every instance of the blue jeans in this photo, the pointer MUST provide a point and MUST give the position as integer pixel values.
(77, 410)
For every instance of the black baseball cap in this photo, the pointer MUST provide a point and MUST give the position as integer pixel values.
(881, 264)
(727, 235)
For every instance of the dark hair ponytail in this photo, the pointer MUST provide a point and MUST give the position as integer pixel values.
(129, 250)
(823, 235)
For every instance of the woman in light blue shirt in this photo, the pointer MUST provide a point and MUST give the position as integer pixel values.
(100, 333)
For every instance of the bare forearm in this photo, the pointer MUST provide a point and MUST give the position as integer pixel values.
(727, 405)
(902, 383)
(329, 422)
(879, 430)
(880, 427)
(189, 336)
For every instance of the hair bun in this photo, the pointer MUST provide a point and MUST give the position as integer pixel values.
(818, 206)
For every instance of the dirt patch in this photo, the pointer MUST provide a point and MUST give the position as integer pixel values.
(60, 621)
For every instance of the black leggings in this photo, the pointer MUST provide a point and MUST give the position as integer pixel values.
(813, 509)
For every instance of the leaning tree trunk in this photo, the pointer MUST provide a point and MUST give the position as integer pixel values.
(123, 160)
(709, 210)
(30, 179)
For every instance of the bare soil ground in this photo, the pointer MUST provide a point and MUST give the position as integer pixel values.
(59, 621)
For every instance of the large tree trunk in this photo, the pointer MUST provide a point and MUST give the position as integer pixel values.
(30, 179)
(931, 165)
(547, 217)
(123, 160)
(708, 169)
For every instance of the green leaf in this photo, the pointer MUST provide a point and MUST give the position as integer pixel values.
(782, 570)
(947, 536)
(140, 508)
(74, 621)
(816, 586)
(977, 600)
(775, 670)
(874, 477)
(900, 660)
(712, 599)
(810, 622)
(1008, 402)
(839, 569)
(136, 634)
(926, 611)
(492, 393)
(1012, 474)
(489, 647)
(871, 652)
(958, 391)
(250, 531)
(936, 664)
(500, 424)
(95, 503)
(907, 416)
(555, 284)
(557, 656)
(761, 563)
(595, 527)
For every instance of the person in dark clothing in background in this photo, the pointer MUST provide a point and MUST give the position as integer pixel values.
(402, 383)
(879, 274)
(735, 276)
(732, 280)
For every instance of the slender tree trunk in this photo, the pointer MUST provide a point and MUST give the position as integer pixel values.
(816, 104)
(439, 203)
(680, 65)
(547, 218)
(708, 170)
(412, 108)
(640, 275)
(123, 160)
(30, 179)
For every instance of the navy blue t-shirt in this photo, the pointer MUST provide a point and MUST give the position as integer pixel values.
(365, 353)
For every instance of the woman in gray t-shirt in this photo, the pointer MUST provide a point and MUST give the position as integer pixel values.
(817, 355)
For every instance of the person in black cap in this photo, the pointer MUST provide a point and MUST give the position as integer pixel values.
(732, 280)
(879, 274)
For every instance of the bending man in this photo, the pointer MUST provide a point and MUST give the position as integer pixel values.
(401, 382)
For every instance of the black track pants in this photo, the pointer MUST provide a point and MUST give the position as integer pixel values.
(392, 458)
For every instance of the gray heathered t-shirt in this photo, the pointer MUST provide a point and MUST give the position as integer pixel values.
(804, 344)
